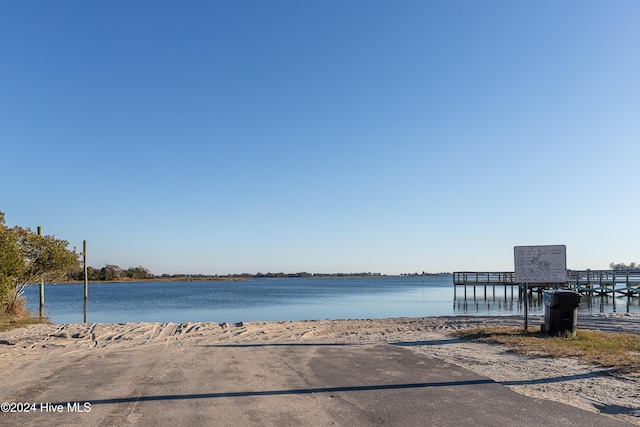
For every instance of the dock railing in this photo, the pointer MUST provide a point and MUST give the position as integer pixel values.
(482, 278)
(585, 281)
(605, 281)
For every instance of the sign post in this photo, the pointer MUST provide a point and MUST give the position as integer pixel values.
(86, 278)
(539, 264)
(526, 307)
(41, 284)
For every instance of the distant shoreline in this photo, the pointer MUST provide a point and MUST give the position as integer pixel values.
(245, 277)
(160, 279)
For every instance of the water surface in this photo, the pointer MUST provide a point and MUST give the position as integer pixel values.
(272, 299)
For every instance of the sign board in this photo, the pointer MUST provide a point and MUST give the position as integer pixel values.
(540, 264)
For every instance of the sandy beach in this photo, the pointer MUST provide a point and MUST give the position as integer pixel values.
(76, 363)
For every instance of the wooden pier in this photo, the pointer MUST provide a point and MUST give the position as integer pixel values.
(483, 280)
(599, 282)
(605, 282)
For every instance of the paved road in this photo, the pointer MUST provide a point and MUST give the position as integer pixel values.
(272, 384)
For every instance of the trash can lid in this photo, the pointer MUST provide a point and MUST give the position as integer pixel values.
(561, 291)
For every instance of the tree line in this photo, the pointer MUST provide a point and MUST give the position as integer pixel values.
(111, 272)
(623, 266)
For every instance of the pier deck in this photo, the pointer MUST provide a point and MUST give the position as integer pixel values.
(626, 282)
(602, 282)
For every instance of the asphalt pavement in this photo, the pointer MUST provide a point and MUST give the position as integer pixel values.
(294, 384)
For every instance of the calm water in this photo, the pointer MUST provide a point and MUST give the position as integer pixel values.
(287, 299)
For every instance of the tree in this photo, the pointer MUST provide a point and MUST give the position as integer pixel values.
(93, 274)
(623, 266)
(111, 272)
(25, 258)
(139, 273)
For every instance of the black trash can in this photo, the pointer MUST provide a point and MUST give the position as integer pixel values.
(560, 312)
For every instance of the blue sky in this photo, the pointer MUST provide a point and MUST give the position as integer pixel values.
(324, 136)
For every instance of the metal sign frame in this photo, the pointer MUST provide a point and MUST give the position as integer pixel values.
(540, 264)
